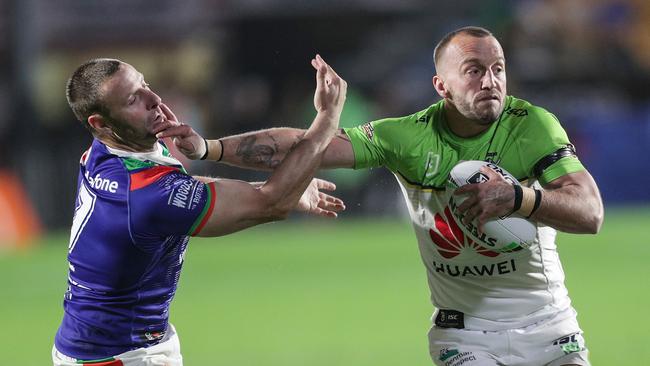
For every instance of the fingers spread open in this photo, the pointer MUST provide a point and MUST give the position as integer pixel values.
(326, 213)
(325, 184)
(330, 202)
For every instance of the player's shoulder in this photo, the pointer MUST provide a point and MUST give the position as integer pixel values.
(130, 170)
(146, 174)
(405, 127)
(103, 173)
(417, 119)
(521, 116)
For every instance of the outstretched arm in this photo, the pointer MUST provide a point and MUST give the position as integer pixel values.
(265, 149)
(259, 150)
(240, 204)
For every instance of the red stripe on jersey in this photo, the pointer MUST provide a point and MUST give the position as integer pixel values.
(213, 199)
(146, 177)
(84, 156)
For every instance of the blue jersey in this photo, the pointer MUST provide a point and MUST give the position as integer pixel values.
(133, 217)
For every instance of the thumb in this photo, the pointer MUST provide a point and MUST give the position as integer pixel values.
(184, 145)
(321, 70)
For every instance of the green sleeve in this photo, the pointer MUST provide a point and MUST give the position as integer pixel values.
(366, 153)
(543, 137)
(378, 143)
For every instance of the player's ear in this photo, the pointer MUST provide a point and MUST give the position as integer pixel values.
(440, 87)
(98, 123)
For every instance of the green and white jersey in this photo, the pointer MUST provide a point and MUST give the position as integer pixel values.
(494, 290)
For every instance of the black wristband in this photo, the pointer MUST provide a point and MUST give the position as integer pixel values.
(205, 156)
(538, 201)
(519, 195)
(221, 155)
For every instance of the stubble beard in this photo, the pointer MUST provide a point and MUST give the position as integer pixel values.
(124, 134)
(472, 111)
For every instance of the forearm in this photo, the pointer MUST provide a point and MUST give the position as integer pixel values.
(265, 149)
(259, 150)
(571, 209)
(295, 171)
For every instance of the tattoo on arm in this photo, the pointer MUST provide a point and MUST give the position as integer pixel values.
(257, 155)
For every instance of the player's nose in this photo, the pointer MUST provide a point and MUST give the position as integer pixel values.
(153, 100)
(488, 80)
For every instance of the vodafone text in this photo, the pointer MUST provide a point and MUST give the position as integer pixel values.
(103, 184)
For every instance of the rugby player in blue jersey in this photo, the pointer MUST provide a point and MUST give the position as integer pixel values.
(492, 308)
(137, 207)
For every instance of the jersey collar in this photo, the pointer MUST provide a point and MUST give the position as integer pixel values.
(157, 156)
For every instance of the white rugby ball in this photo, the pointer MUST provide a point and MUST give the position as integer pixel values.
(504, 234)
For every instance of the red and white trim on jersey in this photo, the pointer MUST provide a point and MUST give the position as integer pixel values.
(207, 211)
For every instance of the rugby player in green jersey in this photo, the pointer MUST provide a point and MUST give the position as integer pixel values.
(493, 308)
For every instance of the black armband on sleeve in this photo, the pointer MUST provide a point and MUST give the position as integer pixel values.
(548, 160)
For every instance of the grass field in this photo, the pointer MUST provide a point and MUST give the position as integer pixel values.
(351, 292)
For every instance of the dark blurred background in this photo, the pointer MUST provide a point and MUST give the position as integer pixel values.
(227, 66)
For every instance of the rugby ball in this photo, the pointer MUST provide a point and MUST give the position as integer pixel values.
(503, 234)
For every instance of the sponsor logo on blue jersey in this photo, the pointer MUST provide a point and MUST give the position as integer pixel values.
(185, 194)
(103, 184)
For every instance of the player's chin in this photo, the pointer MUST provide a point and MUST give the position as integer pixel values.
(489, 115)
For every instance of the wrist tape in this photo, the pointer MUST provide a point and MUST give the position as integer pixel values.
(205, 155)
(527, 200)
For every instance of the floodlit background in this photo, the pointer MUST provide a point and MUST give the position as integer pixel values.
(351, 292)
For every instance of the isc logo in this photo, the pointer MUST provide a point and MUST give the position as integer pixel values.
(569, 344)
(565, 340)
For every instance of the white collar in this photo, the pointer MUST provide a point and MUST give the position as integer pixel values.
(155, 156)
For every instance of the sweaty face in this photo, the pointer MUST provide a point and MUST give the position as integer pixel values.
(134, 109)
(474, 74)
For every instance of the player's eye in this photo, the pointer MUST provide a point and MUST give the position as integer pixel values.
(473, 71)
(131, 100)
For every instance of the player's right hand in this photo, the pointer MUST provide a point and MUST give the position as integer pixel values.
(331, 89)
(188, 141)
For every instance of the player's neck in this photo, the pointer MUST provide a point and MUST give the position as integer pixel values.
(120, 144)
(460, 125)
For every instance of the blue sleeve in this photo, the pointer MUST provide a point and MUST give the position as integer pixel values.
(164, 201)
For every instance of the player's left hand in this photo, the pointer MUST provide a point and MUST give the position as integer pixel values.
(188, 141)
(487, 200)
(315, 202)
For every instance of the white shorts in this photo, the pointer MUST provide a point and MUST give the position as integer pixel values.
(551, 342)
(165, 353)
